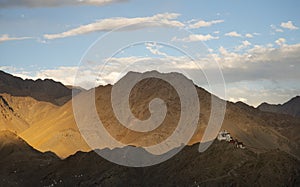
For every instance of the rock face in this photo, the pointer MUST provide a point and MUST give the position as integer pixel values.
(292, 107)
(222, 164)
(41, 90)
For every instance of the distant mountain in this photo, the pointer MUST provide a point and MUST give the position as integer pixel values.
(41, 90)
(292, 107)
(221, 165)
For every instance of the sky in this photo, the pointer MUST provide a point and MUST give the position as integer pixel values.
(256, 44)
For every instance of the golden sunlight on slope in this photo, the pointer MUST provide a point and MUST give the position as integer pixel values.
(43, 125)
(57, 132)
(19, 113)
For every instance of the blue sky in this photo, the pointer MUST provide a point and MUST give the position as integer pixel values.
(32, 44)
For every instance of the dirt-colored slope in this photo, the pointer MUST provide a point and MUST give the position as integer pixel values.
(57, 132)
(9, 120)
(44, 125)
(19, 113)
(31, 110)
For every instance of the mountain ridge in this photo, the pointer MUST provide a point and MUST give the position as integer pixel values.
(291, 107)
(43, 90)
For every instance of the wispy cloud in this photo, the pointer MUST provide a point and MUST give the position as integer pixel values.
(154, 48)
(203, 23)
(288, 25)
(274, 28)
(233, 34)
(280, 41)
(158, 20)
(54, 3)
(6, 37)
(248, 35)
(244, 44)
(196, 37)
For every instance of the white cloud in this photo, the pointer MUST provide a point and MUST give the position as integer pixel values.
(63, 74)
(245, 73)
(262, 91)
(223, 51)
(288, 25)
(280, 41)
(256, 63)
(10, 68)
(196, 37)
(261, 62)
(244, 44)
(154, 49)
(261, 73)
(203, 23)
(244, 100)
(6, 37)
(55, 3)
(273, 27)
(248, 35)
(158, 20)
(233, 34)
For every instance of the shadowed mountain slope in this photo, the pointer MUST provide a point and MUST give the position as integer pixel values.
(222, 164)
(41, 90)
(291, 107)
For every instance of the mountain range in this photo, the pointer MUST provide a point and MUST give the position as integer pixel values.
(37, 125)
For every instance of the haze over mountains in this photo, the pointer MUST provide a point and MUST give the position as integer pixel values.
(47, 124)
